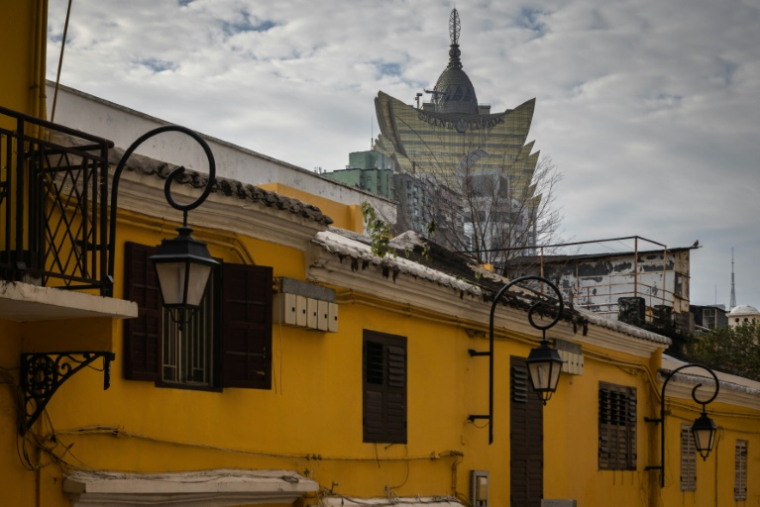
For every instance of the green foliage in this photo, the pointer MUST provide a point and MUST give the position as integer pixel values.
(378, 230)
(733, 350)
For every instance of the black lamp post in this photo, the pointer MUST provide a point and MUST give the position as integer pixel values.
(183, 264)
(703, 429)
(544, 363)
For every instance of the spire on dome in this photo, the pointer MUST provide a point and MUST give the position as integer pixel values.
(454, 52)
(454, 26)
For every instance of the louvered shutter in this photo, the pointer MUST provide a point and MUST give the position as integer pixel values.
(740, 471)
(617, 427)
(384, 388)
(526, 438)
(247, 326)
(142, 335)
(688, 459)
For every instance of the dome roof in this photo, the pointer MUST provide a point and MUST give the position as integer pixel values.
(744, 310)
(455, 93)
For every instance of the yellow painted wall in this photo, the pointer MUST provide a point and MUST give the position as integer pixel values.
(345, 216)
(311, 419)
(23, 35)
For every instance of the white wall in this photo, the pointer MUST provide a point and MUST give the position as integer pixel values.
(123, 126)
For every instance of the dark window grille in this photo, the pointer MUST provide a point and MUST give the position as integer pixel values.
(384, 396)
(188, 351)
(617, 427)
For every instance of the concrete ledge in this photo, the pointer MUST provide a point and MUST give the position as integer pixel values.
(207, 488)
(23, 302)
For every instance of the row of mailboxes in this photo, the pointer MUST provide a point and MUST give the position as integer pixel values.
(294, 310)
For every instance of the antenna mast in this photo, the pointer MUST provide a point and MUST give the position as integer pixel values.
(732, 304)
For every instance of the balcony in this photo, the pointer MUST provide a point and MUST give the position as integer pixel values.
(53, 210)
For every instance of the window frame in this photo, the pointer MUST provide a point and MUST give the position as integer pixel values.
(688, 478)
(243, 360)
(617, 416)
(740, 470)
(384, 424)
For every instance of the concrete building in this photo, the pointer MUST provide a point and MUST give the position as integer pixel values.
(638, 287)
(709, 317)
(452, 138)
(370, 170)
(743, 314)
(324, 374)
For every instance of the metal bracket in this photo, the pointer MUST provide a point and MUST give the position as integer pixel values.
(43, 373)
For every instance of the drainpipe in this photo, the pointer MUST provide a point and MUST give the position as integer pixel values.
(40, 51)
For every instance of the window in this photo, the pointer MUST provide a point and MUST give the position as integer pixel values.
(688, 459)
(617, 427)
(227, 343)
(384, 397)
(740, 471)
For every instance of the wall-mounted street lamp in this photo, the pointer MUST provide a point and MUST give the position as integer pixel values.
(544, 363)
(703, 429)
(183, 264)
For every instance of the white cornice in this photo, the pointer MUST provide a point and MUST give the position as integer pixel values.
(143, 193)
(325, 267)
(734, 390)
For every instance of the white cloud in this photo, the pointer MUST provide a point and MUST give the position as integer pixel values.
(649, 108)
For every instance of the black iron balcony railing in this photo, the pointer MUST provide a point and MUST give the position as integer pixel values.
(53, 204)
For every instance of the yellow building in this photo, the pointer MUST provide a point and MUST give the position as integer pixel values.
(316, 372)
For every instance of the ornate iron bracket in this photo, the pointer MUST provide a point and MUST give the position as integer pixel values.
(43, 373)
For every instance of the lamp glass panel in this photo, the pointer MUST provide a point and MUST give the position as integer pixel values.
(540, 375)
(199, 275)
(171, 278)
(703, 439)
(554, 379)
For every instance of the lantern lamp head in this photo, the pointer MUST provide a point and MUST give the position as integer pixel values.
(544, 367)
(183, 265)
(704, 431)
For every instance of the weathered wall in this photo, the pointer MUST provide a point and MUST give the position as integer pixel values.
(597, 283)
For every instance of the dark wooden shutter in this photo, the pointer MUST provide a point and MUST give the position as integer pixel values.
(617, 427)
(526, 439)
(142, 335)
(688, 459)
(740, 471)
(247, 326)
(384, 386)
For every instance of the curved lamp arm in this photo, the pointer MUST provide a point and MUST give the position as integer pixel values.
(535, 307)
(661, 420)
(167, 187)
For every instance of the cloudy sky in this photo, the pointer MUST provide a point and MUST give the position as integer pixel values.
(650, 108)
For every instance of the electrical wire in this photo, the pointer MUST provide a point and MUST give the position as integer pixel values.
(60, 61)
